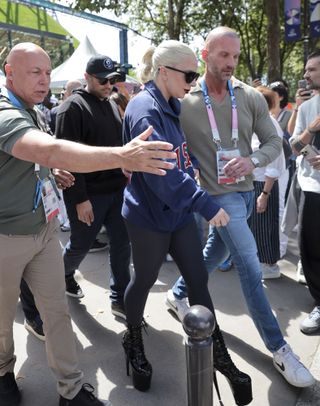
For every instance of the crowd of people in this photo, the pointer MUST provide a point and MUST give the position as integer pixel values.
(186, 149)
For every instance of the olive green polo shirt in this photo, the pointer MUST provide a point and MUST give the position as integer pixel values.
(17, 177)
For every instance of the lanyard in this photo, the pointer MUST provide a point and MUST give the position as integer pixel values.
(213, 124)
(9, 95)
(39, 185)
(37, 196)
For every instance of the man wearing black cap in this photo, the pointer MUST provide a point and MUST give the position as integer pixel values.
(95, 199)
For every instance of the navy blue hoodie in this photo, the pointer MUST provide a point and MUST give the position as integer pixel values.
(162, 203)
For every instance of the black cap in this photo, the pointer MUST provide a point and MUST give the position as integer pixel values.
(102, 66)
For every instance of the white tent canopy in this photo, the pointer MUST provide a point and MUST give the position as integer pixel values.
(75, 66)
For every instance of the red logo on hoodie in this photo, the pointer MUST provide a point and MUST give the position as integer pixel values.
(182, 154)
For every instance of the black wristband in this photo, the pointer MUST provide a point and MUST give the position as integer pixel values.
(312, 132)
(298, 145)
(265, 193)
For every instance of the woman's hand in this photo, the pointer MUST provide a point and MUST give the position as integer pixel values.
(221, 219)
(262, 203)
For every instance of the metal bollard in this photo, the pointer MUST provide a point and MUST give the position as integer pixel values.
(199, 324)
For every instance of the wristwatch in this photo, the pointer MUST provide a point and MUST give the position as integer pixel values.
(255, 161)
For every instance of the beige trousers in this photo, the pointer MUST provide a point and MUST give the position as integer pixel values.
(38, 259)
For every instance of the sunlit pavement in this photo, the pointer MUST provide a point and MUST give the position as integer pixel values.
(98, 334)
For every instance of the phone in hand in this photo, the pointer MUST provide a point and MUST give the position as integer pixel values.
(304, 92)
(302, 84)
(309, 152)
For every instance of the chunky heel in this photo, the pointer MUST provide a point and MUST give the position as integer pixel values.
(242, 391)
(240, 383)
(141, 381)
(134, 350)
(127, 365)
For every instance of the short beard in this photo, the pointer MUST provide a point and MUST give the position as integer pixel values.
(313, 86)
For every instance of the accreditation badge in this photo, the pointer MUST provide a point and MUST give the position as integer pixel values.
(223, 156)
(50, 199)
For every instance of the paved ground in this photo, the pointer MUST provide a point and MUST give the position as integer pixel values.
(98, 336)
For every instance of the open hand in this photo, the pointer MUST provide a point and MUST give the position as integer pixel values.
(140, 155)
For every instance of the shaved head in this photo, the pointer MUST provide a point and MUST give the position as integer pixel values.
(70, 86)
(221, 54)
(21, 50)
(28, 70)
(218, 33)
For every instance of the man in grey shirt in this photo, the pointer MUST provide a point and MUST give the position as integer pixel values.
(219, 117)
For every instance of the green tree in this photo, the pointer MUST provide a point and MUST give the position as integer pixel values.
(163, 19)
(258, 22)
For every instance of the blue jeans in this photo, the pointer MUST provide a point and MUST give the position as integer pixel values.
(237, 239)
(107, 212)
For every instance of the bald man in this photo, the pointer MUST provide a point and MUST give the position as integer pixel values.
(70, 86)
(219, 116)
(29, 246)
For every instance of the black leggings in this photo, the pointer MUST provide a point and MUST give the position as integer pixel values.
(149, 249)
(309, 243)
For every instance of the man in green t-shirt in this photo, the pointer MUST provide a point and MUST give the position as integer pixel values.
(29, 247)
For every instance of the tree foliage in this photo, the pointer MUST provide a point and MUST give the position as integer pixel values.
(260, 24)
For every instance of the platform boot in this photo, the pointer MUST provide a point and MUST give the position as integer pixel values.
(134, 351)
(239, 382)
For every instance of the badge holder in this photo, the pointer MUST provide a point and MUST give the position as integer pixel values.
(50, 200)
(46, 189)
(223, 156)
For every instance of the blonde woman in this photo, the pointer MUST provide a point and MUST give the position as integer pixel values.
(159, 213)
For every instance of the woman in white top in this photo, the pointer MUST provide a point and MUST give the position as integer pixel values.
(264, 221)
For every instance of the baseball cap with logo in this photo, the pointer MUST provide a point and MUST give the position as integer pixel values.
(102, 66)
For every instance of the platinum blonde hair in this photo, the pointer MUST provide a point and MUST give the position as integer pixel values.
(169, 53)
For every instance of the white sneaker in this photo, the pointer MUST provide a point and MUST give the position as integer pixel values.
(312, 323)
(270, 271)
(178, 306)
(288, 364)
(300, 275)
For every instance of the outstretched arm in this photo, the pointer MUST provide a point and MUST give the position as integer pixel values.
(138, 155)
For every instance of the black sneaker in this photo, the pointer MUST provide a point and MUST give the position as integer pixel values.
(35, 327)
(117, 309)
(9, 392)
(72, 288)
(98, 246)
(84, 398)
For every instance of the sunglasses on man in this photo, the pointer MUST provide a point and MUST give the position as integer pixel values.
(104, 81)
(189, 76)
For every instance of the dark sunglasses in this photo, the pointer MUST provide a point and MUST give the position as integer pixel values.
(189, 75)
(104, 81)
